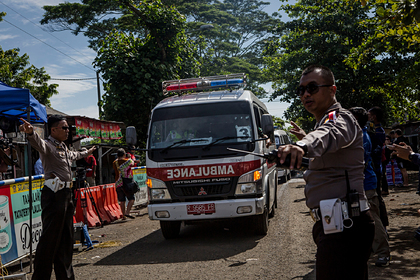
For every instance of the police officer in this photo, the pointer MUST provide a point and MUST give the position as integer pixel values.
(56, 242)
(335, 146)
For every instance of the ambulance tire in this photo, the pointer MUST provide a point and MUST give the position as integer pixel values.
(261, 223)
(170, 230)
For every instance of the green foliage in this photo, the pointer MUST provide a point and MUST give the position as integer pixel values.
(236, 41)
(394, 47)
(279, 123)
(134, 67)
(16, 71)
(328, 32)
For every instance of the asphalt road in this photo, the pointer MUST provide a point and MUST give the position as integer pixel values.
(218, 250)
(136, 249)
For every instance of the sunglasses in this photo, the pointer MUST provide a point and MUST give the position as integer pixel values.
(64, 127)
(311, 89)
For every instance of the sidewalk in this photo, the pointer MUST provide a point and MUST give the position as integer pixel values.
(402, 204)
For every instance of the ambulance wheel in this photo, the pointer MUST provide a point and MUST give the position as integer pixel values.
(170, 229)
(261, 223)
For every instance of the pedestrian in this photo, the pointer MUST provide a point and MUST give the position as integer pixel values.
(402, 163)
(335, 147)
(380, 245)
(38, 167)
(55, 245)
(90, 170)
(123, 175)
(393, 136)
(375, 115)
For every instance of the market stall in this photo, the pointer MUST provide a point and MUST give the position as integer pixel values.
(18, 103)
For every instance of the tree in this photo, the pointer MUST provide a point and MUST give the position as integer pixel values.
(326, 32)
(136, 51)
(14, 71)
(233, 45)
(236, 42)
(395, 42)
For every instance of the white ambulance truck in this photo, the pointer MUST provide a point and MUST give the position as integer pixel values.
(191, 175)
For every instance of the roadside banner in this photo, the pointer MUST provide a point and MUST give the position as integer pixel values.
(14, 217)
(140, 176)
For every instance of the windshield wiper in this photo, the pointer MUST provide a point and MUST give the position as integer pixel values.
(223, 139)
(179, 143)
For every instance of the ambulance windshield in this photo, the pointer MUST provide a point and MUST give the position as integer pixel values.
(201, 127)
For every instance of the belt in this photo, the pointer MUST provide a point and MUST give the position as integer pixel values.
(316, 212)
(56, 184)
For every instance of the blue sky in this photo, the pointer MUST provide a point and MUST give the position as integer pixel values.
(65, 56)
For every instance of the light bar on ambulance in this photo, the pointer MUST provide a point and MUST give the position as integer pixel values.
(204, 83)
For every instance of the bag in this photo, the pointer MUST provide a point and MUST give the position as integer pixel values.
(332, 216)
(130, 186)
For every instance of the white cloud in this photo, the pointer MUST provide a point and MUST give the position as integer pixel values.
(91, 112)
(7, 37)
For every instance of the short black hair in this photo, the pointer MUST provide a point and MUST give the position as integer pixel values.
(53, 120)
(326, 73)
(360, 114)
(398, 132)
(120, 152)
(378, 112)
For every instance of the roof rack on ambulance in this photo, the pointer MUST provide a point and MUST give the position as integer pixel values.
(204, 83)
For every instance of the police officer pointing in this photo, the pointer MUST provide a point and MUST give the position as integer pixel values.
(56, 242)
(334, 147)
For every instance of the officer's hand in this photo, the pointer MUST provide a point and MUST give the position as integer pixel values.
(90, 151)
(296, 155)
(403, 151)
(296, 130)
(26, 127)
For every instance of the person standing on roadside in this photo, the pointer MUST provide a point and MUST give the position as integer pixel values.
(380, 245)
(123, 175)
(402, 162)
(375, 115)
(335, 146)
(55, 245)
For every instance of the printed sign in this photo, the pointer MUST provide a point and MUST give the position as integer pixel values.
(14, 218)
(140, 176)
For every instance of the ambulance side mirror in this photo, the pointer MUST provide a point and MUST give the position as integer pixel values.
(268, 126)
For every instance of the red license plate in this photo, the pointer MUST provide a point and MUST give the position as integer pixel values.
(197, 209)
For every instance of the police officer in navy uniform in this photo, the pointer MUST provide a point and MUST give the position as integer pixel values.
(56, 242)
(334, 147)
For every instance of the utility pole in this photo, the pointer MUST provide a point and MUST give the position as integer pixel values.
(99, 93)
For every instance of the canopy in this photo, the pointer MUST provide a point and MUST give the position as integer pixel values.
(15, 102)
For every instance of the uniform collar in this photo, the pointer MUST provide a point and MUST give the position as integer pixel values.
(55, 141)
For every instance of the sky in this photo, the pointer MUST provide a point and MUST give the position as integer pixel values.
(66, 56)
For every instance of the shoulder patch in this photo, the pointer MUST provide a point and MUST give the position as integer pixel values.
(332, 117)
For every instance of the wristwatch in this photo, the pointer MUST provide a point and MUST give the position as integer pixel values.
(302, 145)
(410, 157)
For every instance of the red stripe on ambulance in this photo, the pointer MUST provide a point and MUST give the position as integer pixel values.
(203, 171)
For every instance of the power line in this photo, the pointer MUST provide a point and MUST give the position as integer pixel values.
(57, 79)
(42, 28)
(49, 45)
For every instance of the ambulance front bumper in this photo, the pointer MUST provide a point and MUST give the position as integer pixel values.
(217, 209)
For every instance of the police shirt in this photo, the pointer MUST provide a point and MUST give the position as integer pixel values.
(56, 158)
(334, 146)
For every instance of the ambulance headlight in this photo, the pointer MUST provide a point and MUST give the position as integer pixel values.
(247, 183)
(157, 189)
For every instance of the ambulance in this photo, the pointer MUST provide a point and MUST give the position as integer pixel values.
(192, 176)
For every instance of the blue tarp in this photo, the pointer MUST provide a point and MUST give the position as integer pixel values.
(14, 103)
